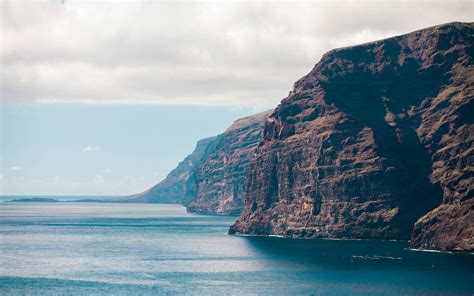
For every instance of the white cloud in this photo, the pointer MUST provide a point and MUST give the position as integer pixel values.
(2, 176)
(196, 53)
(91, 148)
(98, 179)
(16, 168)
(107, 171)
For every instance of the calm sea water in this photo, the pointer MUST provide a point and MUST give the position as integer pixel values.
(125, 249)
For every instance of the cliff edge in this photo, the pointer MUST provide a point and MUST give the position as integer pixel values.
(375, 142)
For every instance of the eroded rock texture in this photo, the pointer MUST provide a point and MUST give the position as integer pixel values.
(373, 138)
(213, 178)
(221, 178)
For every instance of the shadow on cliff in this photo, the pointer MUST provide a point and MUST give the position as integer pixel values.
(382, 99)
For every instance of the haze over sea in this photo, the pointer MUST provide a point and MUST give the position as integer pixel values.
(97, 248)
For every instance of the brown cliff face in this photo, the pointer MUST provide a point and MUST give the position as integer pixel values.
(220, 179)
(212, 179)
(373, 138)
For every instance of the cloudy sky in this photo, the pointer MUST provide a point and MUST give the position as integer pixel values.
(197, 59)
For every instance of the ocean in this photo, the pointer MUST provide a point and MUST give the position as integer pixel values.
(141, 249)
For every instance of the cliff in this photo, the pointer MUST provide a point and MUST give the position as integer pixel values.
(174, 187)
(221, 178)
(212, 179)
(375, 142)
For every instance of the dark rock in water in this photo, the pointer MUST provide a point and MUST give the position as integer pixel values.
(174, 187)
(220, 179)
(35, 199)
(213, 178)
(375, 142)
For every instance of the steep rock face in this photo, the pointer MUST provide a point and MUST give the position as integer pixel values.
(220, 179)
(213, 178)
(175, 186)
(373, 138)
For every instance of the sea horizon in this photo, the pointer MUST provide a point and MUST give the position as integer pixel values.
(157, 248)
(309, 147)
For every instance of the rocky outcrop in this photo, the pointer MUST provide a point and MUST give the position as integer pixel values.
(212, 179)
(373, 138)
(175, 186)
(221, 178)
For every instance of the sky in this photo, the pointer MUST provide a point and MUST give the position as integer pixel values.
(83, 149)
(106, 97)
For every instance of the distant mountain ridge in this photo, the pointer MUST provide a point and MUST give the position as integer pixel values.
(174, 187)
(212, 179)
